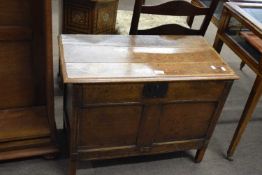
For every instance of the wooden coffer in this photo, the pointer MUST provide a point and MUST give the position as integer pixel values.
(89, 16)
(128, 119)
(27, 126)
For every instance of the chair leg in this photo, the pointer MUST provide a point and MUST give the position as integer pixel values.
(242, 65)
(190, 20)
(252, 101)
(72, 167)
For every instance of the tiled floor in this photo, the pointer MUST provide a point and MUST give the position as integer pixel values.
(247, 158)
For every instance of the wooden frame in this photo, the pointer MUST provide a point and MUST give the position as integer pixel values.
(27, 93)
(215, 20)
(234, 10)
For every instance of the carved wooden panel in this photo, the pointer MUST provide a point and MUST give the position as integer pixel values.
(77, 19)
(89, 17)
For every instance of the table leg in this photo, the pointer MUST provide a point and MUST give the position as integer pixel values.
(72, 167)
(246, 115)
(218, 44)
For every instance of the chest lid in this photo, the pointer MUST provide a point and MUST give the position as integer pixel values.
(116, 58)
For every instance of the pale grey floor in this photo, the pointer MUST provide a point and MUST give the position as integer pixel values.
(247, 160)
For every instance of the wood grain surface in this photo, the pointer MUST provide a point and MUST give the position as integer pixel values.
(89, 59)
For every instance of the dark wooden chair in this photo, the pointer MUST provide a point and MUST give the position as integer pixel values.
(173, 8)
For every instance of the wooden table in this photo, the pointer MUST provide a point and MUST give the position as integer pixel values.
(217, 15)
(140, 95)
(247, 53)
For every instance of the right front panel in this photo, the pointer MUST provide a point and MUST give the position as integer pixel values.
(188, 110)
(184, 121)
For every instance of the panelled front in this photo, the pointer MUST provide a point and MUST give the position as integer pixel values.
(119, 116)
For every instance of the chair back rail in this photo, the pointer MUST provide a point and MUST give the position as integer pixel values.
(169, 29)
(175, 7)
(172, 8)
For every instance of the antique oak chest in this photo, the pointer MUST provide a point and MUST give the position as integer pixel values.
(139, 95)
